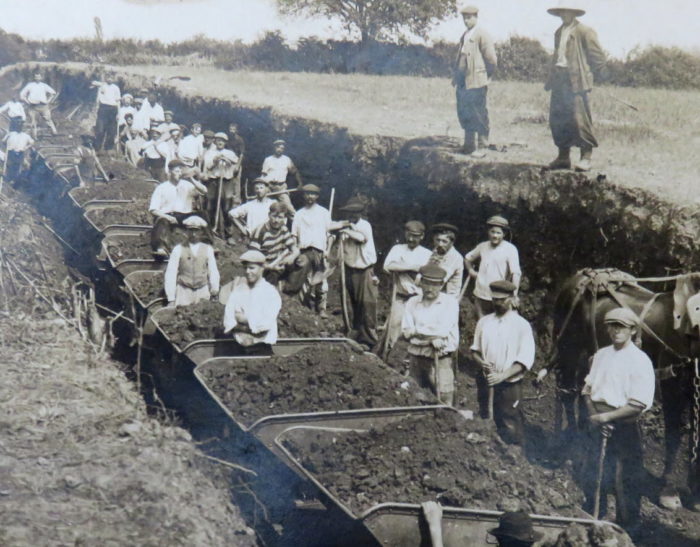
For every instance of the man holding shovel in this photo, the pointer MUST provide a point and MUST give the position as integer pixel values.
(618, 389)
(504, 347)
(430, 323)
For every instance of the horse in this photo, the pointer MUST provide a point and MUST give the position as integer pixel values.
(667, 335)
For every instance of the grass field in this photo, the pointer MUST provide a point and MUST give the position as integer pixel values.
(653, 148)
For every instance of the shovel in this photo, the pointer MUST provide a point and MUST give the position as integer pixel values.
(605, 432)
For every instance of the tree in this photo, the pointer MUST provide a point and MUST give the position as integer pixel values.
(376, 19)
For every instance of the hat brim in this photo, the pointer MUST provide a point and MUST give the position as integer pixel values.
(535, 536)
(559, 11)
(352, 209)
(620, 322)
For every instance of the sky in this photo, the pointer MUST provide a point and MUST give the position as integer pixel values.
(621, 24)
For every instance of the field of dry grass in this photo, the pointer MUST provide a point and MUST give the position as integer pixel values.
(653, 148)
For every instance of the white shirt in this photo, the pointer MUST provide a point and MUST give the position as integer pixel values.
(258, 306)
(453, 264)
(275, 169)
(360, 255)
(14, 109)
(219, 163)
(171, 271)
(618, 377)
(256, 212)
(310, 226)
(171, 198)
(503, 341)
(190, 148)
(146, 114)
(496, 264)
(402, 255)
(563, 41)
(123, 111)
(439, 318)
(167, 150)
(109, 94)
(149, 149)
(18, 141)
(36, 93)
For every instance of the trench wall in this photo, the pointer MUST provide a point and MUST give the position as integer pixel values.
(562, 221)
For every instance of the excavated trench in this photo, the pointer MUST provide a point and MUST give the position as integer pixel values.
(561, 221)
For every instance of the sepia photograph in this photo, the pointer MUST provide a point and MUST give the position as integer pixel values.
(348, 273)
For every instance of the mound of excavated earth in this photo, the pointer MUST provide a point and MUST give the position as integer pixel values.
(134, 213)
(459, 462)
(126, 189)
(318, 378)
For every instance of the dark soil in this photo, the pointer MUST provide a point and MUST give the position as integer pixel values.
(297, 321)
(131, 247)
(445, 457)
(123, 189)
(134, 213)
(148, 288)
(318, 378)
(199, 321)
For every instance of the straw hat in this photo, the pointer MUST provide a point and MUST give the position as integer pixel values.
(566, 6)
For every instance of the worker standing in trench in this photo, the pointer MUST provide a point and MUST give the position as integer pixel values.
(447, 257)
(430, 323)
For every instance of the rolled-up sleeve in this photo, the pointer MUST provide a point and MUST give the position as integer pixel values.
(408, 326)
(156, 201)
(476, 344)
(514, 261)
(526, 346)
(642, 384)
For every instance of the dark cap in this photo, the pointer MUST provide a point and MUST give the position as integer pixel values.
(498, 220)
(502, 288)
(172, 164)
(208, 133)
(431, 272)
(516, 525)
(415, 227)
(444, 227)
(261, 180)
(354, 205)
(311, 189)
(277, 207)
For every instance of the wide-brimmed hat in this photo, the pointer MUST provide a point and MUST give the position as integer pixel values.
(252, 257)
(623, 316)
(431, 272)
(566, 6)
(516, 525)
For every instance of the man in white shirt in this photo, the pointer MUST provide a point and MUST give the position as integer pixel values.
(168, 124)
(171, 203)
(126, 107)
(276, 168)
(430, 323)
(504, 347)
(404, 262)
(108, 99)
(17, 144)
(498, 260)
(359, 259)
(190, 148)
(153, 160)
(15, 111)
(191, 274)
(618, 389)
(150, 111)
(447, 257)
(38, 96)
(254, 213)
(219, 171)
(252, 308)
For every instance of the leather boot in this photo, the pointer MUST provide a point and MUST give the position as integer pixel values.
(584, 163)
(469, 146)
(563, 160)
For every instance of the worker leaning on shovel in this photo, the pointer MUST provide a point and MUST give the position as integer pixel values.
(618, 389)
(431, 325)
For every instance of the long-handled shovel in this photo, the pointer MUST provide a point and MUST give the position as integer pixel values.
(383, 347)
(218, 206)
(605, 432)
(436, 360)
(343, 295)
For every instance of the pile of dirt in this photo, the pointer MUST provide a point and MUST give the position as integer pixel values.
(126, 189)
(443, 456)
(148, 287)
(130, 247)
(227, 260)
(598, 535)
(318, 378)
(185, 324)
(84, 464)
(134, 213)
(297, 321)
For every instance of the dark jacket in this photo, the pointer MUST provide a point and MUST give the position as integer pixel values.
(584, 58)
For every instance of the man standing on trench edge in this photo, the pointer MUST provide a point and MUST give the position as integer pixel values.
(504, 347)
(577, 57)
(430, 323)
(475, 63)
(252, 308)
(617, 390)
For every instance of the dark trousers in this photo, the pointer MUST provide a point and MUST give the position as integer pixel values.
(624, 472)
(507, 400)
(105, 127)
(156, 168)
(225, 204)
(16, 123)
(14, 165)
(162, 232)
(570, 116)
(363, 300)
(472, 110)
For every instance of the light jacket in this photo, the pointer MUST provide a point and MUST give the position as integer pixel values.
(584, 58)
(475, 61)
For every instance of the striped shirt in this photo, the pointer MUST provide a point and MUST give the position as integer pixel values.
(273, 244)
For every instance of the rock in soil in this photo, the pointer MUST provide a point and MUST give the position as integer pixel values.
(461, 463)
(322, 377)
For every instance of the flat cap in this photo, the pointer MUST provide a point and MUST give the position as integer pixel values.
(195, 222)
(168, 112)
(623, 316)
(469, 10)
(502, 288)
(221, 135)
(252, 256)
(208, 133)
(278, 207)
(444, 227)
(278, 141)
(311, 189)
(172, 164)
(431, 272)
(175, 130)
(498, 220)
(415, 227)
(354, 205)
